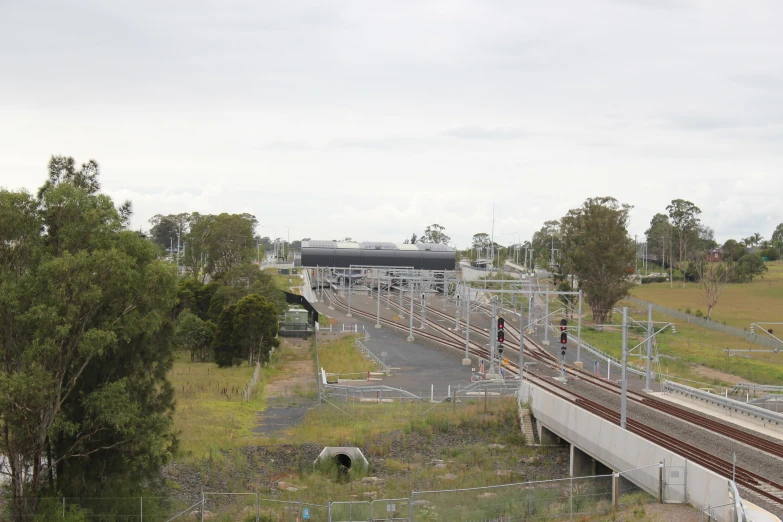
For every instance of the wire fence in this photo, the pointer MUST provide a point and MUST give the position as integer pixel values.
(712, 325)
(551, 499)
(565, 498)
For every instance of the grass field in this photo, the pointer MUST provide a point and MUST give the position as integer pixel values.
(699, 353)
(340, 356)
(739, 304)
(210, 414)
(284, 282)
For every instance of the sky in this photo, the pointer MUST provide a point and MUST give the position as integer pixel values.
(373, 119)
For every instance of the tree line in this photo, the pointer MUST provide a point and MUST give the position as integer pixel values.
(90, 318)
(590, 249)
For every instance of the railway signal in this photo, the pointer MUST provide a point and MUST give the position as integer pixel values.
(563, 338)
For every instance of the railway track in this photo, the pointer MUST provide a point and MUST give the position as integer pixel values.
(766, 488)
(762, 486)
(728, 431)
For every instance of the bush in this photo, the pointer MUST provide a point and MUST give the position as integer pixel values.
(655, 279)
(699, 313)
(770, 253)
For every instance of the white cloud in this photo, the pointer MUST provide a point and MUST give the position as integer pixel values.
(373, 120)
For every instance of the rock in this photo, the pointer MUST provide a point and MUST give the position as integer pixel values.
(496, 446)
(486, 495)
(438, 464)
(372, 495)
(355, 497)
(420, 503)
(448, 476)
(372, 480)
(504, 473)
(535, 459)
(287, 486)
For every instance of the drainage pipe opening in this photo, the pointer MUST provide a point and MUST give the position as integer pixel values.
(343, 461)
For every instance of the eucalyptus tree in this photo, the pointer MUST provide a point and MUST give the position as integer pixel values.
(85, 332)
(599, 252)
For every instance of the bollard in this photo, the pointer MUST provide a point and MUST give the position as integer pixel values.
(660, 483)
(615, 489)
(454, 402)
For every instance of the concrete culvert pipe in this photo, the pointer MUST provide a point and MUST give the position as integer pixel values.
(343, 461)
(343, 456)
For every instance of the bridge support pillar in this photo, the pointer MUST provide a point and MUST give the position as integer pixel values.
(547, 437)
(582, 464)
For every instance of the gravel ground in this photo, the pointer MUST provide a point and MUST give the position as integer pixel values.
(720, 446)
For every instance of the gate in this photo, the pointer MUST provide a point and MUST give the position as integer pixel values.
(674, 491)
(389, 509)
(350, 511)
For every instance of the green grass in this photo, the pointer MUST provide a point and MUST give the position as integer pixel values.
(692, 348)
(377, 428)
(739, 305)
(284, 282)
(340, 356)
(210, 413)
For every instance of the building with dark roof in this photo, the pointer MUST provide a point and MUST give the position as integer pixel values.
(420, 256)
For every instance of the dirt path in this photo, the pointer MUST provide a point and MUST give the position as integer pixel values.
(290, 393)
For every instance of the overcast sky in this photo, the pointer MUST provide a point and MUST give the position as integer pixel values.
(373, 119)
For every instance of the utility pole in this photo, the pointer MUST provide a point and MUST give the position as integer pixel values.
(546, 319)
(378, 318)
(317, 364)
(649, 346)
(579, 330)
(521, 337)
(350, 288)
(410, 331)
(423, 309)
(492, 239)
(493, 335)
(624, 389)
(466, 360)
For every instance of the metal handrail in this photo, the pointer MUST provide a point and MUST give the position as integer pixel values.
(725, 402)
(385, 367)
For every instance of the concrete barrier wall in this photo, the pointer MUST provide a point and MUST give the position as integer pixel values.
(622, 450)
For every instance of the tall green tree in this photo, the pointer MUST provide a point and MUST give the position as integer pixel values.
(216, 243)
(435, 234)
(684, 218)
(222, 345)
(733, 250)
(195, 336)
(255, 329)
(659, 240)
(86, 344)
(165, 229)
(598, 251)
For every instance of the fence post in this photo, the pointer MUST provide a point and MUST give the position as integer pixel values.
(615, 489)
(203, 503)
(63, 507)
(258, 508)
(571, 500)
(485, 399)
(660, 483)
(141, 508)
(454, 402)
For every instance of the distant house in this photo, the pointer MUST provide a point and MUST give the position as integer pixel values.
(714, 255)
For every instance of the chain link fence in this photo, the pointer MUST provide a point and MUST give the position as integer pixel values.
(629, 485)
(565, 498)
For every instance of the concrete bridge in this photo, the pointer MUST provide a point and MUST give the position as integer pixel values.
(600, 447)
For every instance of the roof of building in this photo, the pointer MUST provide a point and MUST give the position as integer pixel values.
(376, 245)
